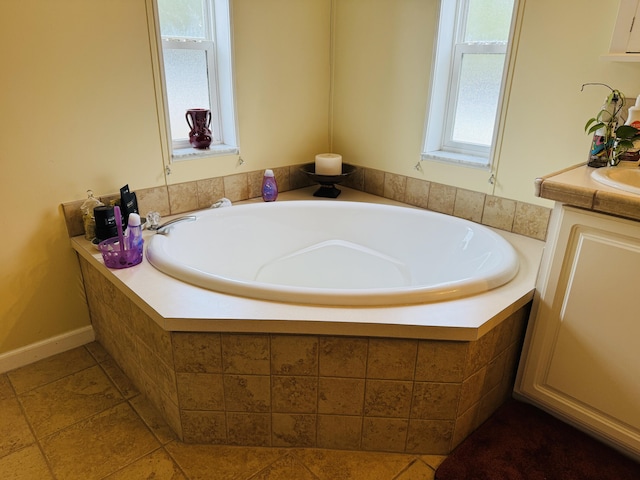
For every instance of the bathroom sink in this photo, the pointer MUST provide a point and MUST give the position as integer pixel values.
(623, 177)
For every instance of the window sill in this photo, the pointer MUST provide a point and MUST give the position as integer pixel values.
(462, 159)
(189, 153)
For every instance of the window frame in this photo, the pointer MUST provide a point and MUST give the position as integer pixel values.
(449, 50)
(218, 50)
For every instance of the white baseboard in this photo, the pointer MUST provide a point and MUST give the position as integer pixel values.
(46, 348)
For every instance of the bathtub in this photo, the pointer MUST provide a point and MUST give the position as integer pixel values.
(334, 254)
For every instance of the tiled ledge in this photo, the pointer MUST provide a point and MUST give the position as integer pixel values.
(574, 186)
(505, 214)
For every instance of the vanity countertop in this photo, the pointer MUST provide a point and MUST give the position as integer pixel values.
(574, 186)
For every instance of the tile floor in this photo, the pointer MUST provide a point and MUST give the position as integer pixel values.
(77, 416)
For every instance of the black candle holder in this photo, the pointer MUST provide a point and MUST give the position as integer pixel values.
(327, 182)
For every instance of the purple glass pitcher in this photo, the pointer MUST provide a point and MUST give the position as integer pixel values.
(199, 121)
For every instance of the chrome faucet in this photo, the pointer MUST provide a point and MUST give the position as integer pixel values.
(164, 228)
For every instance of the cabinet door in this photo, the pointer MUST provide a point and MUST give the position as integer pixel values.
(582, 358)
(633, 45)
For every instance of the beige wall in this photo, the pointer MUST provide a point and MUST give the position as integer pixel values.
(77, 111)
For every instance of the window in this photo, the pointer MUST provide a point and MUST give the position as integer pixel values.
(467, 86)
(196, 60)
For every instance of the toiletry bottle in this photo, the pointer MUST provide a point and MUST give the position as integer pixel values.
(269, 186)
(88, 219)
(134, 233)
(633, 120)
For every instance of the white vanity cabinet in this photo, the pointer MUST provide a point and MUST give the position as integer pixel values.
(581, 358)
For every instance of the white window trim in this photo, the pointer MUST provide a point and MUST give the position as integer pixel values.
(226, 142)
(436, 147)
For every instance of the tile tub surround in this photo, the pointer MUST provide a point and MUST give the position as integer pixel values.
(509, 215)
(326, 391)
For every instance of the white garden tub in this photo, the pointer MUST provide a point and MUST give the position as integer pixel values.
(334, 253)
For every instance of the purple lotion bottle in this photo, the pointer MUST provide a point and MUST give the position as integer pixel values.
(269, 187)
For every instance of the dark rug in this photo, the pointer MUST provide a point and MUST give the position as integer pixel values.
(521, 442)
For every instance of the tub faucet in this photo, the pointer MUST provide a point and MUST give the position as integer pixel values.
(164, 228)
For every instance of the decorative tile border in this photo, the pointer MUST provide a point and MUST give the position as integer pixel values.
(510, 215)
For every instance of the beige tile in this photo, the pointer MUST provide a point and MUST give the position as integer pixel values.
(50, 369)
(298, 179)
(97, 351)
(435, 401)
(25, 464)
(374, 182)
(480, 352)
(293, 430)
(388, 398)
(57, 405)
(531, 220)
(73, 217)
(200, 391)
(294, 355)
(6, 390)
(210, 190)
(99, 446)
(285, 468)
(199, 461)
(236, 187)
(152, 419)
(249, 429)
(160, 373)
(417, 192)
(384, 434)
(204, 427)
(341, 396)
(119, 379)
(466, 423)
(339, 431)
(433, 461)
(418, 470)
(430, 436)
(394, 186)
(440, 361)
(392, 359)
(442, 198)
(16, 433)
(471, 390)
(247, 393)
(183, 197)
(343, 357)
(294, 394)
(245, 354)
(156, 338)
(157, 465)
(197, 352)
(254, 180)
(356, 180)
(499, 212)
(335, 464)
(283, 178)
(469, 205)
(154, 199)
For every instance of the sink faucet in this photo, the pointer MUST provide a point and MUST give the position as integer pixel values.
(164, 228)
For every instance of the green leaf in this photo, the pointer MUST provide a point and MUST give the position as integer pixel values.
(626, 131)
(595, 127)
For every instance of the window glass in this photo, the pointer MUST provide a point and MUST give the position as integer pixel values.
(182, 18)
(488, 20)
(478, 93)
(187, 86)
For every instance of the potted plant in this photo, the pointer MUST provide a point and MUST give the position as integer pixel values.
(611, 141)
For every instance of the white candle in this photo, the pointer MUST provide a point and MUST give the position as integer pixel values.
(328, 164)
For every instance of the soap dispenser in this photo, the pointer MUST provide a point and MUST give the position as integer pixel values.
(633, 120)
(269, 186)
